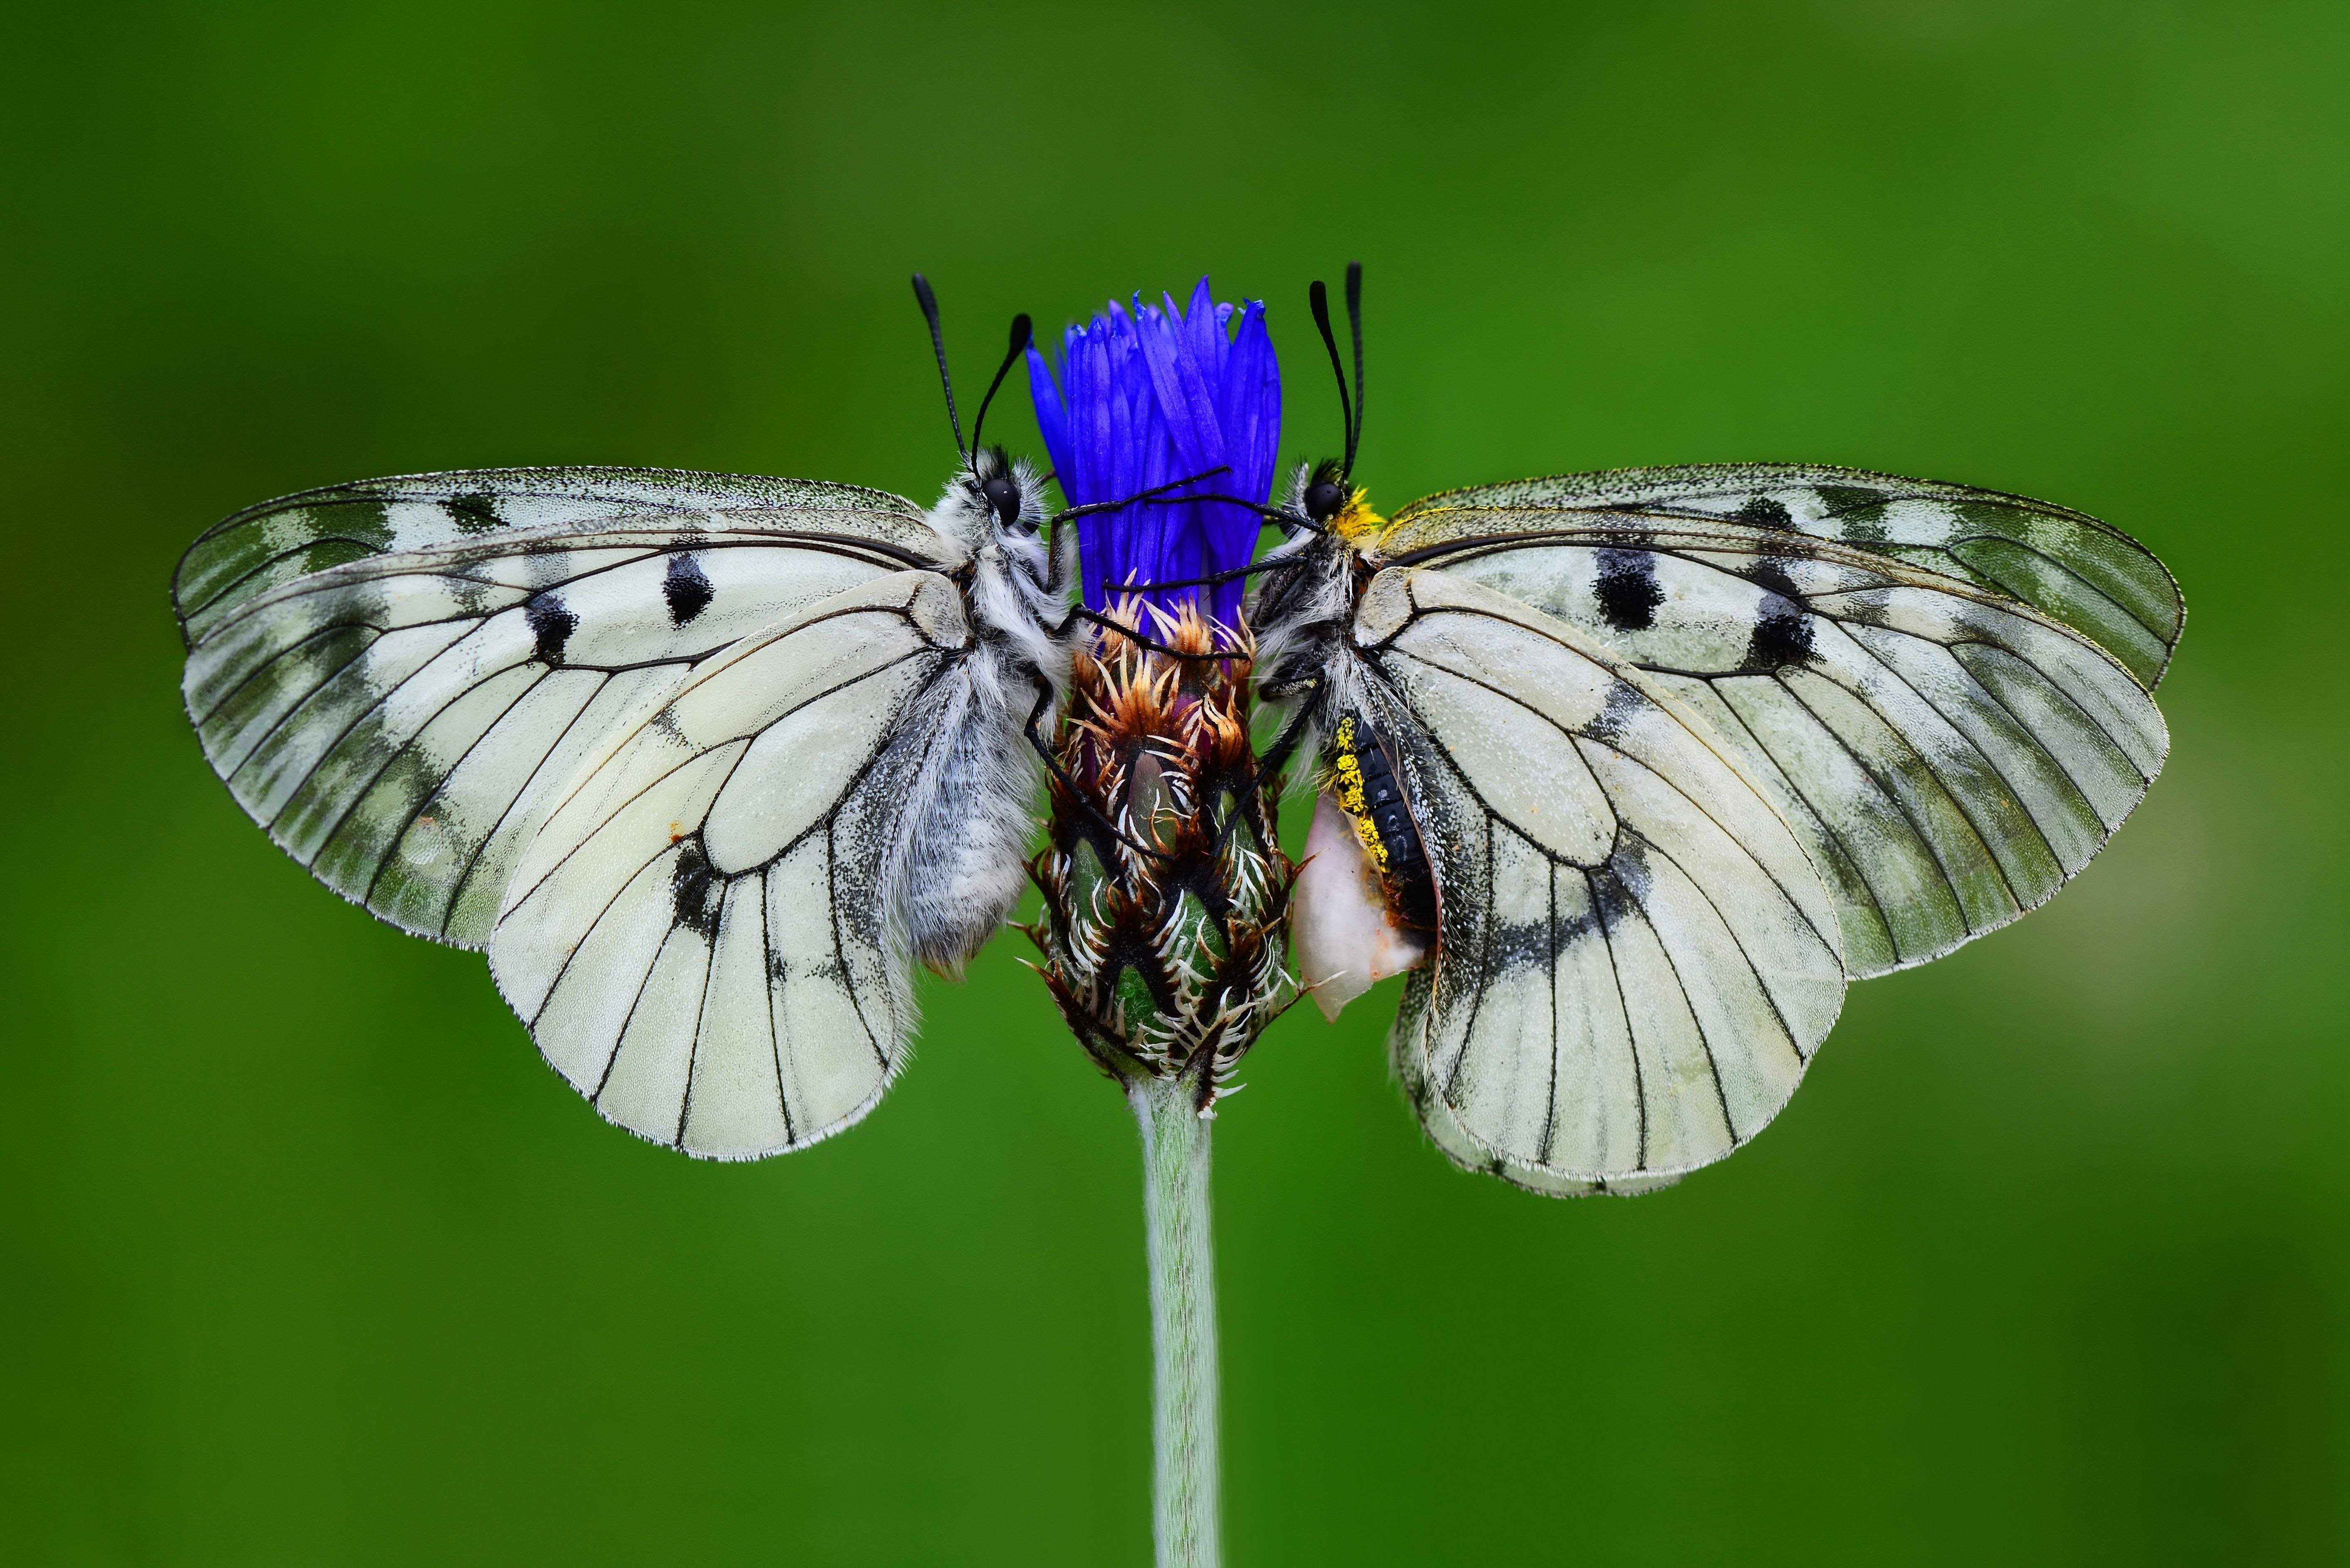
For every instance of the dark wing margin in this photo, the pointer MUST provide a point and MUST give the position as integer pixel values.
(2070, 567)
(392, 677)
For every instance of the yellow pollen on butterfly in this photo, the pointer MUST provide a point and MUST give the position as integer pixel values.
(1350, 795)
(1356, 521)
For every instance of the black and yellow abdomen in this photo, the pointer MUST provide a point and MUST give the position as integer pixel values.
(1370, 792)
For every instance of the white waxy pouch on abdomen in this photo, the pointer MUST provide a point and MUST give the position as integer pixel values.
(1344, 935)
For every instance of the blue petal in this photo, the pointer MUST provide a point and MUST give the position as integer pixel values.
(1052, 413)
(1153, 394)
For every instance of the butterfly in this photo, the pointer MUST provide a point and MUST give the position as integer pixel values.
(1633, 771)
(706, 762)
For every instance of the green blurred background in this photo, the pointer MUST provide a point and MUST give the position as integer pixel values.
(306, 1258)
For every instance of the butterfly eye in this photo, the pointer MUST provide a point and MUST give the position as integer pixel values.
(1324, 500)
(1002, 499)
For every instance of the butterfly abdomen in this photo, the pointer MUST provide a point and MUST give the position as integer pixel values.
(1372, 796)
(968, 828)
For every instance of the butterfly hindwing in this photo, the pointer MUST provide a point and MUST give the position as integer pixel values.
(1634, 957)
(704, 936)
(2071, 568)
(1947, 756)
(393, 677)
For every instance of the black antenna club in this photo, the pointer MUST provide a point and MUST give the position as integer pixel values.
(1022, 331)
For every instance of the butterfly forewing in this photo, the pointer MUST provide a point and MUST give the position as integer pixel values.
(394, 677)
(246, 554)
(1946, 756)
(2073, 568)
(1635, 956)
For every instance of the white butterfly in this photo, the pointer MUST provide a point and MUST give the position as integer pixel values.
(1654, 760)
(704, 762)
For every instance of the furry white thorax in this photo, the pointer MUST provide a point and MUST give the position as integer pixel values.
(972, 810)
(1017, 593)
(1300, 615)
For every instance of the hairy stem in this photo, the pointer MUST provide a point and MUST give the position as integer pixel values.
(1182, 1321)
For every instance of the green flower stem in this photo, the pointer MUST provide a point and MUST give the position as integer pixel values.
(1183, 1321)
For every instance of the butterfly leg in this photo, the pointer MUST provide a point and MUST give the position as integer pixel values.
(1077, 790)
(1080, 613)
(1267, 765)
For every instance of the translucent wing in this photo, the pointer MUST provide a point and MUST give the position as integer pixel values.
(2071, 568)
(1634, 957)
(706, 935)
(1948, 757)
(393, 677)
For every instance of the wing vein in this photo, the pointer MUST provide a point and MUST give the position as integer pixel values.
(1893, 796)
(564, 968)
(653, 783)
(473, 859)
(1966, 812)
(1712, 1065)
(701, 1023)
(416, 809)
(1851, 854)
(1623, 1010)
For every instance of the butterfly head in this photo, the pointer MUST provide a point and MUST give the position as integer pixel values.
(1313, 579)
(994, 507)
(1325, 497)
(998, 497)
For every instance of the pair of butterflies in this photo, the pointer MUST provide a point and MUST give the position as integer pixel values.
(706, 763)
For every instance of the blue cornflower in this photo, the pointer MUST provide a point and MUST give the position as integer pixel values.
(1151, 397)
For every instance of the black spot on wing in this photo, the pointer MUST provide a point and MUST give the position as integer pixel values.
(1849, 497)
(1611, 897)
(687, 588)
(1624, 703)
(1533, 944)
(1783, 636)
(1764, 512)
(1628, 589)
(1782, 629)
(1856, 511)
(1768, 572)
(552, 623)
(474, 514)
(695, 890)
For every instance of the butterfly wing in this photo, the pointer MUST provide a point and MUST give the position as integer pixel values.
(393, 677)
(2071, 568)
(1947, 756)
(706, 936)
(1635, 957)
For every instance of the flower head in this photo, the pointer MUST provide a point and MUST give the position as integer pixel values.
(1146, 398)
(1166, 891)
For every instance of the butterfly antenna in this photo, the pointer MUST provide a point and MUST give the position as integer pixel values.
(1022, 331)
(930, 304)
(1355, 325)
(1318, 297)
